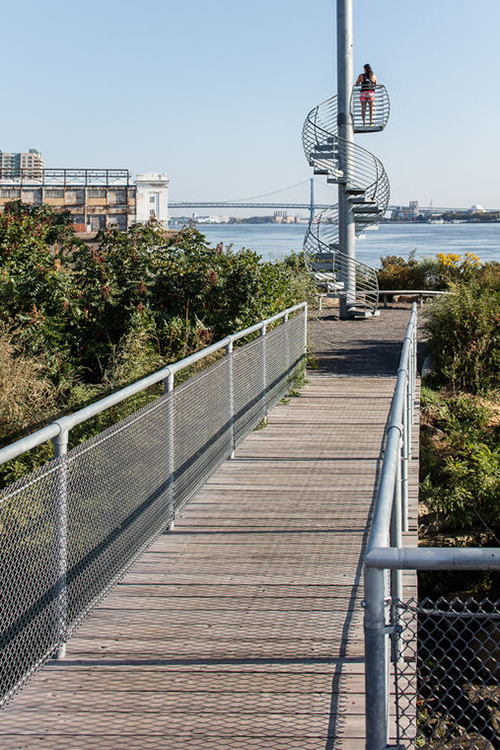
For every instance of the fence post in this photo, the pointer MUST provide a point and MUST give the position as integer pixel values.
(287, 349)
(168, 384)
(305, 335)
(61, 449)
(414, 364)
(263, 332)
(229, 355)
(376, 663)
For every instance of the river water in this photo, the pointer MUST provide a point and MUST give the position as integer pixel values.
(273, 241)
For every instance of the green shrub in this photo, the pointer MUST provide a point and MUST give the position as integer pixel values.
(433, 273)
(464, 337)
(460, 460)
(410, 273)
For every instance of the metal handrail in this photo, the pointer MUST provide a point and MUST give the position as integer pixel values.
(385, 551)
(166, 374)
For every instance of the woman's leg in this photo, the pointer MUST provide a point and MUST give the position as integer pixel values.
(363, 110)
(372, 108)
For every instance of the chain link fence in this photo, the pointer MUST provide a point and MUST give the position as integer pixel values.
(447, 670)
(71, 529)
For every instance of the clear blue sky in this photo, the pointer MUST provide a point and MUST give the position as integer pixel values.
(215, 94)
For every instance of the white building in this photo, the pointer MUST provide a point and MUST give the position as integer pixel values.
(151, 197)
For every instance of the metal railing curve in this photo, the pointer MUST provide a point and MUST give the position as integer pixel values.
(368, 190)
(386, 616)
(70, 529)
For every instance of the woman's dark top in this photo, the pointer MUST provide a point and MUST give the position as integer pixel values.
(367, 84)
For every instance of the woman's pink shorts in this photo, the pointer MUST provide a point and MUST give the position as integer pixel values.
(367, 96)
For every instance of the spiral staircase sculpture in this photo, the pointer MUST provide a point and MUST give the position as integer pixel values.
(368, 191)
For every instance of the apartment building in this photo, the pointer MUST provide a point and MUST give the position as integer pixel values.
(30, 164)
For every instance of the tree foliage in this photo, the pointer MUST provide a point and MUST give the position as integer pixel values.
(464, 337)
(91, 318)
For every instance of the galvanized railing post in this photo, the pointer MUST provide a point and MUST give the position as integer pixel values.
(376, 661)
(60, 443)
(287, 348)
(305, 333)
(414, 352)
(168, 384)
(263, 332)
(230, 376)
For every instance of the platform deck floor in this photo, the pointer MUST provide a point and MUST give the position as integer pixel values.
(242, 628)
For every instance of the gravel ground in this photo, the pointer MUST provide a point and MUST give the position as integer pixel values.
(369, 346)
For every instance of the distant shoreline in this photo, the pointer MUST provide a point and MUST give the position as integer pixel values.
(173, 221)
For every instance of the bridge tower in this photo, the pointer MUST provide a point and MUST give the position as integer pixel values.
(363, 185)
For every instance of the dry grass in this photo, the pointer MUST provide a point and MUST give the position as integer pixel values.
(26, 394)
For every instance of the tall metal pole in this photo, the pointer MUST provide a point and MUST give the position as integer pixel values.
(346, 157)
(311, 203)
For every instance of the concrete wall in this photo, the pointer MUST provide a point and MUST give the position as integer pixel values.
(152, 197)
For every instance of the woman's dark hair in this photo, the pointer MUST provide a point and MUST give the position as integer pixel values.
(368, 69)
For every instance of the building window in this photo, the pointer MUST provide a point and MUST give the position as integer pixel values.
(152, 212)
(10, 193)
(152, 199)
(96, 193)
(54, 193)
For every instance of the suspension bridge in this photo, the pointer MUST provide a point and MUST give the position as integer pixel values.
(301, 196)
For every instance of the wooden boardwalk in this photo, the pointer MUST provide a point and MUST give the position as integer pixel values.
(242, 628)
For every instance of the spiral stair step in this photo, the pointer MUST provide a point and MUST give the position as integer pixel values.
(367, 219)
(366, 208)
(325, 148)
(361, 310)
(334, 174)
(325, 259)
(336, 179)
(355, 199)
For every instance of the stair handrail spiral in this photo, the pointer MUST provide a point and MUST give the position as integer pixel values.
(368, 188)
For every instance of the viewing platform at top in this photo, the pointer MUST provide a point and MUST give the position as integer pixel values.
(381, 109)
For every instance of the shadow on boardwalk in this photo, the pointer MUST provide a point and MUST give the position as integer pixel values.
(360, 347)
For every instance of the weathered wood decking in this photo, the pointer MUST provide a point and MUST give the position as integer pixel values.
(242, 628)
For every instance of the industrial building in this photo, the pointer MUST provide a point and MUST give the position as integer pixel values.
(96, 198)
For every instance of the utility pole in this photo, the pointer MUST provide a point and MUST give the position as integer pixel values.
(345, 83)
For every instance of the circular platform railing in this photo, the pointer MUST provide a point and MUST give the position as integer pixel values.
(380, 111)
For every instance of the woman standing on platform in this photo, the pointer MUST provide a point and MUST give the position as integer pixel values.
(368, 81)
